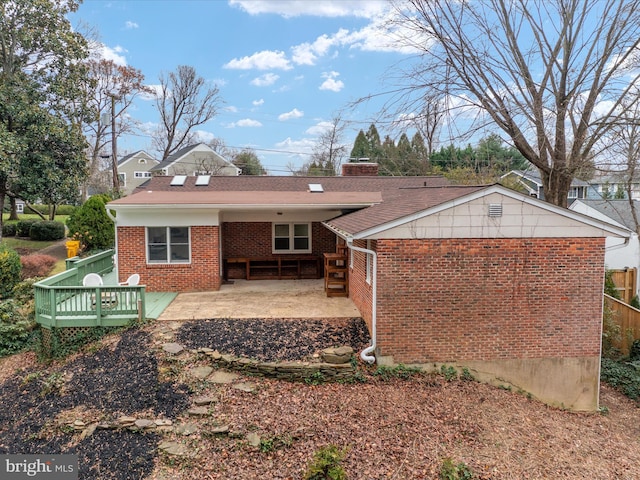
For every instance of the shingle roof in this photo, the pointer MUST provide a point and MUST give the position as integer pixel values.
(618, 210)
(126, 158)
(167, 162)
(249, 183)
(399, 204)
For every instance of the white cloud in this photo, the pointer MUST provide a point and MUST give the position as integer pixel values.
(115, 54)
(265, 60)
(308, 53)
(319, 128)
(295, 113)
(257, 103)
(202, 136)
(330, 82)
(129, 25)
(245, 122)
(231, 109)
(316, 8)
(265, 80)
(304, 145)
(155, 92)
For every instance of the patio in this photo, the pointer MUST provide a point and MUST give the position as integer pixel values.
(261, 299)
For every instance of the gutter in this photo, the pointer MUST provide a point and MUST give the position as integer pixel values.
(367, 354)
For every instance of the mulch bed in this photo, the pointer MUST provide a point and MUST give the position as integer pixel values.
(269, 340)
(122, 379)
(112, 381)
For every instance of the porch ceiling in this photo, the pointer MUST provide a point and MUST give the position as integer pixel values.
(261, 299)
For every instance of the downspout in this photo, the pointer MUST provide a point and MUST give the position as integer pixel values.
(115, 257)
(367, 354)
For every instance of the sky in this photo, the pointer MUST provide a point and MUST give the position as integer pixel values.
(284, 68)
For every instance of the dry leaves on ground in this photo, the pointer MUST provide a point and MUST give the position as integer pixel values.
(391, 429)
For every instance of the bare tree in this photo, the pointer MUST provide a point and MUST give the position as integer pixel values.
(184, 102)
(329, 150)
(624, 149)
(550, 73)
(111, 90)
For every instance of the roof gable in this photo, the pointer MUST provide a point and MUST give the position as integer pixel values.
(465, 212)
(180, 155)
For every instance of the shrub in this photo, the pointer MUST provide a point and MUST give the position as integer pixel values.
(9, 230)
(91, 225)
(24, 226)
(65, 209)
(10, 270)
(16, 330)
(623, 376)
(47, 230)
(325, 464)
(455, 471)
(36, 265)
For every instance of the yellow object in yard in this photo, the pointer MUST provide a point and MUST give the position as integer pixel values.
(72, 248)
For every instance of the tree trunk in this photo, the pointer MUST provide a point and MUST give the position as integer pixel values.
(13, 213)
(555, 186)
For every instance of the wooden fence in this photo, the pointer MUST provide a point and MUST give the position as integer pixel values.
(625, 282)
(627, 319)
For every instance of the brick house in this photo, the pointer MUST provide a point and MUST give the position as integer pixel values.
(480, 277)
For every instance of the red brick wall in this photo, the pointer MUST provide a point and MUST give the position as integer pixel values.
(358, 169)
(253, 239)
(360, 291)
(202, 274)
(484, 299)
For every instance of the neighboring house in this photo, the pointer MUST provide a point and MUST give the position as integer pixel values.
(481, 277)
(620, 254)
(613, 186)
(197, 159)
(134, 169)
(531, 181)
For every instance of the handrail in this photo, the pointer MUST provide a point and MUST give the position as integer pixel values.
(60, 300)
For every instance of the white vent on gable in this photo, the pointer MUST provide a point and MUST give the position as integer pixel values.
(203, 180)
(178, 180)
(316, 188)
(495, 209)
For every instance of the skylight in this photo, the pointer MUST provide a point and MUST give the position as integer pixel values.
(316, 188)
(203, 180)
(178, 180)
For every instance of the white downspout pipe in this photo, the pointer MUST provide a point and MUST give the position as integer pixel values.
(115, 259)
(367, 354)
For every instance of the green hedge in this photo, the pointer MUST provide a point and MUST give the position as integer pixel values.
(9, 230)
(47, 230)
(23, 227)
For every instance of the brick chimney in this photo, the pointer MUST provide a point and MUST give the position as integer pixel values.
(360, 169)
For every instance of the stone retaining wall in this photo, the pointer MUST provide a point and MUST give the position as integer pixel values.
(294, 371)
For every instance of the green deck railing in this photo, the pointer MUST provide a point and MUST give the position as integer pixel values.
(62, 301)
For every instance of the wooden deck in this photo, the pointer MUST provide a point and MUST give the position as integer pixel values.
(157, 302)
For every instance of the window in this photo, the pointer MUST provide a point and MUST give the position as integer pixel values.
(142, 174)
(291, 237)
(19, 207)
(168, 245)
(122, 178)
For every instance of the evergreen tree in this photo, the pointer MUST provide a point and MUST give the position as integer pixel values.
(361, 147)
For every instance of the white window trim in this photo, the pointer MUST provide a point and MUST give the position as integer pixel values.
(123, 179)
(291, 237)
(168, 262)
(141, 174)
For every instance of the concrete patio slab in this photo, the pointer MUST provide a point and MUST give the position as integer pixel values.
(261, 299)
